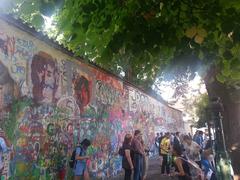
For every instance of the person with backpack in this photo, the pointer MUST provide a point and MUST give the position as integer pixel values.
(79, 163)
(1, 158)
(4, 148)
(127, 156)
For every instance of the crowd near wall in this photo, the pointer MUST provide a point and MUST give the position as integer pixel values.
(50, 101)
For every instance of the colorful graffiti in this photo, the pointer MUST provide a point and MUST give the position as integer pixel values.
(49, 102)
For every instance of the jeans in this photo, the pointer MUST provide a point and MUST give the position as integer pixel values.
(128, 173)
(165, 164)
(138, 166)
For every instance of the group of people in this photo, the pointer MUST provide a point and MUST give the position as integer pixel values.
(181, 155)
(186, 157)
(178, 153)
(135, 156)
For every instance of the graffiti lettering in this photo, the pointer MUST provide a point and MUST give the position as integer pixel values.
(106, 94)
(18, 69)
(138, 101)
(24, 48)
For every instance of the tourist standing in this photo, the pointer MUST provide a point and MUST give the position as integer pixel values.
(156, 143)
(160, 155)
(4, 148)
(128, 156)
(138, 155)
(176, 140)
(80, 168)
(145, 160)
(165, 148)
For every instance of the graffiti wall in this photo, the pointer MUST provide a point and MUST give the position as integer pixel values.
(50, 101)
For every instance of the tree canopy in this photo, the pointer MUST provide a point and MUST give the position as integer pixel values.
(142, 38)
(201, 111)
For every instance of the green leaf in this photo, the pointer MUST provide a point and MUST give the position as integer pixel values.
(28, 7)
(226, 72)
(221, 78)
(37, 21)
(227, 54)
(201, 55)
(47, 8)
(235, 76)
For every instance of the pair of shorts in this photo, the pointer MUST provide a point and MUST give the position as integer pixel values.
(79, 169)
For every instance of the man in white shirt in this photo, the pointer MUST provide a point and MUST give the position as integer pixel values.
(192, 150)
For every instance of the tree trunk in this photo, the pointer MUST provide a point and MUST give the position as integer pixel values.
(231, 117)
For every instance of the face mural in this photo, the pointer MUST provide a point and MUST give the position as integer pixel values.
(44, 78)
(62, 104)
(81, 87)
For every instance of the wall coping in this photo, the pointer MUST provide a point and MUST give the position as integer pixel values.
(51, 42)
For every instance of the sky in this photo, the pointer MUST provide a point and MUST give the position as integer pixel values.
(195, 85)
(196, 89)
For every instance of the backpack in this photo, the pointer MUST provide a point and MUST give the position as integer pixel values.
(72, 161)
(121, 151)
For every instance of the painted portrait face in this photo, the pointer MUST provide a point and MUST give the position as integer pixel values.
(70, 128)
(81, 91)
(44, 78)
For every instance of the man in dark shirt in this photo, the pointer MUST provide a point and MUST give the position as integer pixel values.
(176, 140)
(138, 155)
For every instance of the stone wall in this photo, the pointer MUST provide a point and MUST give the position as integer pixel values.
(50, 101)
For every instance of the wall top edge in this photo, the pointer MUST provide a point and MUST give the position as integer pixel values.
(18, 23)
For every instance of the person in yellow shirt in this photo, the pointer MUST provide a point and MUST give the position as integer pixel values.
(165, 148)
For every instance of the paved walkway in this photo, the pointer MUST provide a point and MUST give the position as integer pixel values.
(154, 171)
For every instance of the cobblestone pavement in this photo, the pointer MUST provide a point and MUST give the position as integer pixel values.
(154, 171)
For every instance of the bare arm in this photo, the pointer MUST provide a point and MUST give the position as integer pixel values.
(128, 156)
(78, 157)
(180, 167)
(198, 147)
(82, 157)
